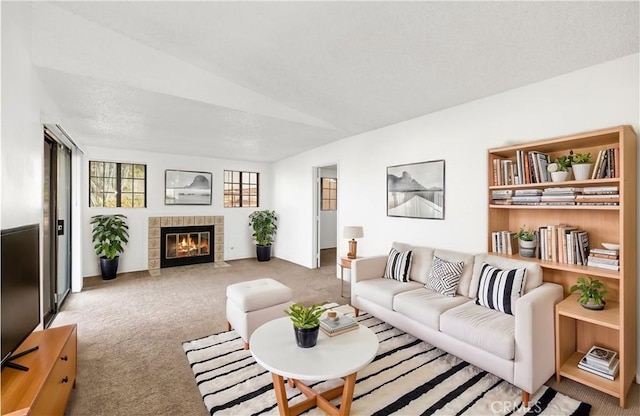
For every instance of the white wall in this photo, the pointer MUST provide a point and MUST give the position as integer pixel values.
(596, 97)
(237, 237)
(328, 219)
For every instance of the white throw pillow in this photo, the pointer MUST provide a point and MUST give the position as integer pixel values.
(444, 276)
(398, 265)
(500, 289)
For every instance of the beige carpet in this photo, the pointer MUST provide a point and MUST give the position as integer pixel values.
(131, 329)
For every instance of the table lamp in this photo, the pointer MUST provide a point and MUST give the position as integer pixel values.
(352, 232)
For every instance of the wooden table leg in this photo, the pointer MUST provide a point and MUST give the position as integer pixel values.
(347, 394)
(281, 394)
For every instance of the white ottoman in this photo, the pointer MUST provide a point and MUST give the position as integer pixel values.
(251, 304)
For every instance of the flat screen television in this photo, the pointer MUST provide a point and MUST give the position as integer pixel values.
(20, 287)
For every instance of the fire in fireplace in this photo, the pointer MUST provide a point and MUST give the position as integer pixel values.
(186, 245)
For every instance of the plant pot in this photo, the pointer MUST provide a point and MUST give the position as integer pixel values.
(306, 337)
(594, 307)
(582, 171)
(527, 248)
(109, 267)
(263, 253)
(560, 176)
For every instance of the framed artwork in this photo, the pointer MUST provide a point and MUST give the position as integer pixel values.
(183, 187)
(416, 190)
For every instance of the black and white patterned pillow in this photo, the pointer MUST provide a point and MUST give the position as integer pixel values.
(398, 265)
(444, 276)
(500, 289)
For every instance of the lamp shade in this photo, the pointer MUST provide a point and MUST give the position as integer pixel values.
(353, 232)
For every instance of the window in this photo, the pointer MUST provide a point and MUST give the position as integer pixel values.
(240, 189)
(114, 184)
(329, 194)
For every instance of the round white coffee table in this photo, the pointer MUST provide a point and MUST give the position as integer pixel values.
(273, 346)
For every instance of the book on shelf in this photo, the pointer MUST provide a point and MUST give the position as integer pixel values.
(502, 242)
(600, 356)
(600, 190)
(592, 253)
(342, 331)
(603, 266)
(612, 262)
(605, 251)
(609, 374)
(333, 326)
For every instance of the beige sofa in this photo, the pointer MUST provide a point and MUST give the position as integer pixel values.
(518, 348)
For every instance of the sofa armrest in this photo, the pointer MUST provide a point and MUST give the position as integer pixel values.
(368, 268)
(535, 336)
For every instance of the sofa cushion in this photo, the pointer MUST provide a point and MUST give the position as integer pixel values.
(485, 328)
(500, 289)
(398, 265)
(420, 260)
(467, 270)
(382, 291)
(534, 271)
(444, 276)
(425, 306)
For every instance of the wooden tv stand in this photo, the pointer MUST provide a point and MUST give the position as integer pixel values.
(45, 388)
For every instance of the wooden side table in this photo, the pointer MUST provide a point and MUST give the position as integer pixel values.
(345, 263)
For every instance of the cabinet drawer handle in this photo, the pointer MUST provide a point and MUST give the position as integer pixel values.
(64, 358)
(65, 380)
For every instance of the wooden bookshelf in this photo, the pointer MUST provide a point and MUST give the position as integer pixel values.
(578, 329)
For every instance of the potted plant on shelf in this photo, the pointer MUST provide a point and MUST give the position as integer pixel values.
(581, 166)
(306, 323)
(592, 292)
(110, 234)
(559, 169)
(526, 242)
(264, 228)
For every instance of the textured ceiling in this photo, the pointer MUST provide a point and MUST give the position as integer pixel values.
(262, 81)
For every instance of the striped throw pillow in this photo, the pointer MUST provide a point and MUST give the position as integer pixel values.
(500, 289)
(398, 265)
(444, 276)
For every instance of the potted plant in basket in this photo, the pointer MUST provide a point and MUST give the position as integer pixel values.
(264, 228)
(581, 166)
(526, 242)
(592, 292)
(559, 169)
(306, 323)
(110, 234)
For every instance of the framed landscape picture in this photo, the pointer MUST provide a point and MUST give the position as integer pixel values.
(416, 190)
(183, 187)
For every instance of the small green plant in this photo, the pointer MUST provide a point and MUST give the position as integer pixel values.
(561, 164)
(264, 226)
(525, 235)
(110, 234)
(305, 317)
(592, 291)
(580, 158)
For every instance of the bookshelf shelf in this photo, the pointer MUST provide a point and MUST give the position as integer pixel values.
(577, 328)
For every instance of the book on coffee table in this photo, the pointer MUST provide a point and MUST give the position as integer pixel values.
(342, 331)
(338, 325)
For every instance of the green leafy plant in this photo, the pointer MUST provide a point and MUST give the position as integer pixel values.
(580, 158)
(110, 234)
(561, 164)
(592, 291)
(525, 235)
(305, 317)
(264, 226)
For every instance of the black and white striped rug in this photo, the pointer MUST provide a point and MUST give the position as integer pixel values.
(407, 377)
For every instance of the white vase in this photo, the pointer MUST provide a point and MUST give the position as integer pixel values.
(582, 171)
(560, 176)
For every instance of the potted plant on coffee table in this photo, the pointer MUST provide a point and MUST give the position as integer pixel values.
(526, 242)
(306, 323)
(264, 229)
(581, 166)
(592, 292)
(110, 234)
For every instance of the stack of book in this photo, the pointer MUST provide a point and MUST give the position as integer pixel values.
(605, 259)
(502, 242)
(338, 326)
(601, 362)
(563, 243)
(526, 197)
(607, 164)
(501, 196)
(560, 196)
(599, 195)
